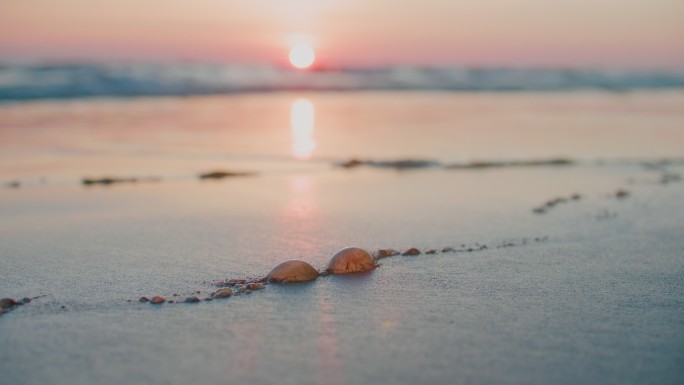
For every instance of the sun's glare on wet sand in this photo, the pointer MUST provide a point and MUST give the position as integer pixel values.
(302, 122)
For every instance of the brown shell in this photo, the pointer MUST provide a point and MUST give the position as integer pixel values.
(293, 270)
(351, 260)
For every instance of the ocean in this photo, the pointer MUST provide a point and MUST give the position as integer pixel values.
(28, 81)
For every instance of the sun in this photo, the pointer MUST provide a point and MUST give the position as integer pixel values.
(302, 56)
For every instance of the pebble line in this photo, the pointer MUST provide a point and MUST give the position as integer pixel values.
(246, 286)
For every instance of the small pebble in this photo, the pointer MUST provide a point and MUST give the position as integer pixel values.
(7, 303)
(411, 251)
(448, 249)
(208, 299)
(192, 300)
(223, 293)
(241, 289)
(255, 286)
(620, 194)
(431, 251)
(175, 294)
(144, 299)
(171, 301)
(26, 300)
(158, 300)
(384, 253)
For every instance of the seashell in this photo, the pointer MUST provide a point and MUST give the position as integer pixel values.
(293, 270)
(350, 260)
(158, 300)
(223, 293)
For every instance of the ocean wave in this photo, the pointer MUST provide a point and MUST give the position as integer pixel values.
(56, 81)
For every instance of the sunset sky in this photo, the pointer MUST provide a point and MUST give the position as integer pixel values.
(356, 33)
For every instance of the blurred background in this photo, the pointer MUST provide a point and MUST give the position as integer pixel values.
(78, 48)
(89, 88)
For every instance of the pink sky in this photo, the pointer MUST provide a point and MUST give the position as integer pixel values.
(567, 33)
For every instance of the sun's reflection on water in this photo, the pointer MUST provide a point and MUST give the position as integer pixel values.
(302, 122)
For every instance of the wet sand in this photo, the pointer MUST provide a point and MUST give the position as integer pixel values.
(599, 300)
(590, 291)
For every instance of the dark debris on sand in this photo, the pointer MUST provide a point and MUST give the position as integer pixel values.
(402, 164)
(553, 162)
(224, 174)
(13, 184)
(106, 181)
(551, 203)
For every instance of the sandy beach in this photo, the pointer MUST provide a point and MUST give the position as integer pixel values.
(543, 272)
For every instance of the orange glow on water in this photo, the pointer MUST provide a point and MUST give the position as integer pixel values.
(302, 122)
